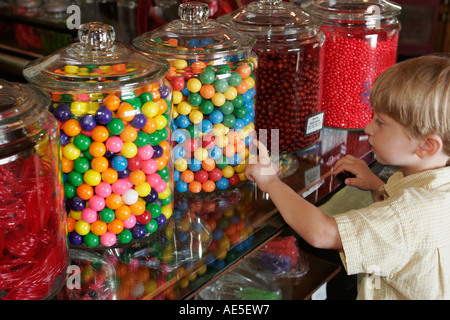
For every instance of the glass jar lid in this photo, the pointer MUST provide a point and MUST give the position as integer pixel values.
(193, 36)
(273, 17)
(20, 104)
(351, 10)
(95, 63)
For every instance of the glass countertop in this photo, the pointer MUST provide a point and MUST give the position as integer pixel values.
(209, 234)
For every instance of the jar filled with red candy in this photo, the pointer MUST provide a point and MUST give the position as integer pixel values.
(113, 107)
(33, 247)
(361, 42)
(289, 50)
(213, 78)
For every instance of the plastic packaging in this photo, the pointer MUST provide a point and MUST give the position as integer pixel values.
(361, 42)
(212, 75)
(33, 248)
(114, 110)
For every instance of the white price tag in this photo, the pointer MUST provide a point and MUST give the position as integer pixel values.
(321, 293)
(314, 123)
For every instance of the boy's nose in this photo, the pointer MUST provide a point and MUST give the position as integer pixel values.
(368, 128)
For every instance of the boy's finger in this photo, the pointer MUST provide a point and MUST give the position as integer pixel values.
(263, 152)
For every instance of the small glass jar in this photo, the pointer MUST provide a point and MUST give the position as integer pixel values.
(33, 247)
(361, 42)
(289, 50)
(114, 110)
(212, 75)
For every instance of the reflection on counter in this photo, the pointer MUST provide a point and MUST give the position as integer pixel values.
(209, 233)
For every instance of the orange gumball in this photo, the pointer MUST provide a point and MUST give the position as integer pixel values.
(129, 134)
(137, 177)
(85, 191)
(208, 164)
(150, 126)
(112, 102)
(208, 186)
(71, 127)
(126, 112)
(115, 226)
(242, 87)
(138, 207)
(195, 187)
(100, 164)
(70, 224)
(114, 201)
(100, 134)
(207, 91)
(97, 149)
(187, 176)
(162, 105)
(244, 70)
(165, 146)
(123, 212)
(110, 176)
(99, 227)
(66, 165)
(161, 162)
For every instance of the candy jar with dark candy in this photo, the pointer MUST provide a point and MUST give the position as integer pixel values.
(361, 42)
(289, 50)
(113, 106)
(213, 77)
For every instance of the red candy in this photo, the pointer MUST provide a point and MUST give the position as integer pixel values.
(288, 93)
(351, 65)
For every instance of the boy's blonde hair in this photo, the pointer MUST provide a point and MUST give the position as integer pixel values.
(416, 93)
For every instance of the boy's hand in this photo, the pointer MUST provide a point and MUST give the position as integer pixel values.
(264, 172)
(364, 178)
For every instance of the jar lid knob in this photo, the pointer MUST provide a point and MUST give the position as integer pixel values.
(193, 12)
(270, 2)
(97, 35)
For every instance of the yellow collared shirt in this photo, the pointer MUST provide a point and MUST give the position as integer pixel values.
(402, 244)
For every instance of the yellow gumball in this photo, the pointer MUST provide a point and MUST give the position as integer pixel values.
(184, 108)
(230, 93)
(196, 116)
(181, 164)
(218, 99)
(201, 154)
(143, 189)
(194, 85)
(166, 193)
(82, 227)
(161, 122)
(166, 211)
(228, 171)
(150, 109)
(180, 64)
(177, 97)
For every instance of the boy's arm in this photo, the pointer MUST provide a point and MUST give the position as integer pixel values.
(311, 224)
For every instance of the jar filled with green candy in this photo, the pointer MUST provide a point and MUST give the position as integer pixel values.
(212, 74)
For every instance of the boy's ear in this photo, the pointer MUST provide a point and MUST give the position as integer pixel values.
(429, 146)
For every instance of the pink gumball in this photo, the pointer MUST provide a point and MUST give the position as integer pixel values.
(161, 186)
(114, 144)
(153, 179)
(103, 189)
(120, 186)
(89, 215)
(108, 239)
(145, 152)
(130, 222)
(149, 166)
(87, 133)
(96, 203)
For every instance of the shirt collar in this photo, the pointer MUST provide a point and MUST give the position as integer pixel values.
(429, 179)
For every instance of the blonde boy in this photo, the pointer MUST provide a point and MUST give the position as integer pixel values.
(400, 243)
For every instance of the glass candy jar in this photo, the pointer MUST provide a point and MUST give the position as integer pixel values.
(289, 50)
(361, 42)
(33, 247)
(212, 75)
(114, 110)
